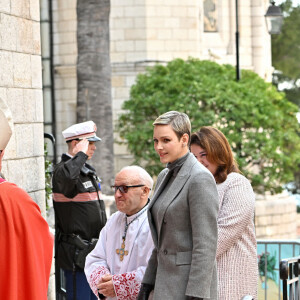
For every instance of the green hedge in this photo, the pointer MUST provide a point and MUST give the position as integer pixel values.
(259, 122)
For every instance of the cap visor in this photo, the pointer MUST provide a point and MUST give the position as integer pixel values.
(94, 139)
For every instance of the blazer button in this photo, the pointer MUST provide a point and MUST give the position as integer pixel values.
(165, 252)
(165, 221)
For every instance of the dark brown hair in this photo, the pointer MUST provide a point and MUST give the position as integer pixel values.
(217, 149)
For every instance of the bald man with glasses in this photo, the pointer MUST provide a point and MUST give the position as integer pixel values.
(116, 266)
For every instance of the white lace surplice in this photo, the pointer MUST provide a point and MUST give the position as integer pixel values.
(127, 274)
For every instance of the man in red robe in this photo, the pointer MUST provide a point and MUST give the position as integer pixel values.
(26, 244)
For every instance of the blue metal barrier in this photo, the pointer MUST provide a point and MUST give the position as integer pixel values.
(270, 253)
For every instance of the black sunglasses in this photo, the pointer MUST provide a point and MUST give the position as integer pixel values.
(124, 188)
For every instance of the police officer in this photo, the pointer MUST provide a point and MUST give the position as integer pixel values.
(79, 210)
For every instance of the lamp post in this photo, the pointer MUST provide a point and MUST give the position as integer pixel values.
(237, 42)
(274, 19)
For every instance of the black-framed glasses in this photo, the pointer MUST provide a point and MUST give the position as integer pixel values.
(124, 188)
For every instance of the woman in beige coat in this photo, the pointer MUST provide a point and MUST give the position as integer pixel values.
(182, 217)
(236, 252)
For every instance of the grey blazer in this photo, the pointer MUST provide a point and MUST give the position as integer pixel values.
(183, 261)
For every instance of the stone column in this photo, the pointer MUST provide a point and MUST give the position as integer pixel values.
(261, 40)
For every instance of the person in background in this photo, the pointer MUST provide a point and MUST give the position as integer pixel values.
(116, 266)
(26, 243)
(79, 211)
(236, 252)
(182, 217)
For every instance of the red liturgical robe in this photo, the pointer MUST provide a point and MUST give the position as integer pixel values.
(26, 246)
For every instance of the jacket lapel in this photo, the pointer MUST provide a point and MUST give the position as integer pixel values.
(160, 186)
(157, 191)
(178, 183)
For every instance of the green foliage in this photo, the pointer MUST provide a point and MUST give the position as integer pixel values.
(291, 87)
(285, 52)
(268, 270)
(258, 121)
(285, 46)
(48, 168)
(286, 59)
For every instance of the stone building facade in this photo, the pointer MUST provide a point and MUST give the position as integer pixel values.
(146, 32)
(276, 217)
(21, 91)
(143, 33)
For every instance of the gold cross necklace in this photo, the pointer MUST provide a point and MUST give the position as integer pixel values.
(122, 252)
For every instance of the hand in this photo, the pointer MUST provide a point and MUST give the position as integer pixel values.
(106, 287)
(82, 145)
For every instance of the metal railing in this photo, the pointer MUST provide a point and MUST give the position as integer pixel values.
(270, 253)
(276, 252)
(289, 274)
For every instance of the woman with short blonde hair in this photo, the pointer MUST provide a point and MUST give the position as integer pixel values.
(183, 219)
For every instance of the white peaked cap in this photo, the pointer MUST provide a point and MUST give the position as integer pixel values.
(85, 130)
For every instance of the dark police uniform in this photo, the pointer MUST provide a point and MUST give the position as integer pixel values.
(79, 212)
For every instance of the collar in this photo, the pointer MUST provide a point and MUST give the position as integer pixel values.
(139, 213)
(177, 164)
(68, 154)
